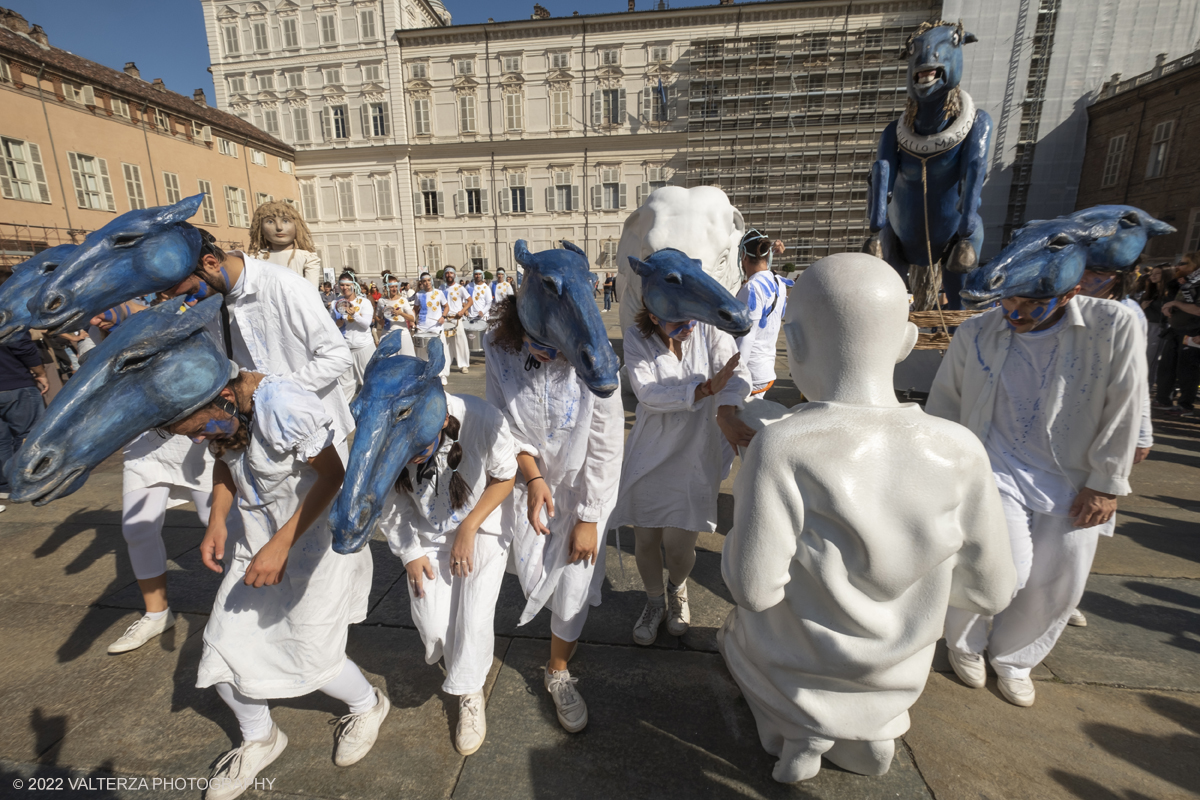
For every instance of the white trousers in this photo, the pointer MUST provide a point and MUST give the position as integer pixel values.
(456, 617)
(352, 379)
(1053, 559)
(649, 546)
(142, 516)
(462, 350)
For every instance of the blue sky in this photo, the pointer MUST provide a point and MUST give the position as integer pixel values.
(166, 37)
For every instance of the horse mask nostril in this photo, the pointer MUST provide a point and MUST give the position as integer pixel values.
(725, 315)
(42, 466)
(55, 303)
(364, 514)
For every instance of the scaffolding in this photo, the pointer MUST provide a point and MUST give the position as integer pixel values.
(787, 123)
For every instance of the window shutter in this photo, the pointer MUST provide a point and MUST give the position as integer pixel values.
(575, 204)
(39, 172)
(624, 192)
(483, 201)
(647, 109)
(528, 199)
(597, 109)
(109, 202)
(550, 199)
(441, 204)
(505, 198)
(6, 189)
(672, 101)
(597, 197)
(418, 205)
(364, 115)
(621, 107)
(460, 202)
(386, 119)
(80, 197)
(640, 196)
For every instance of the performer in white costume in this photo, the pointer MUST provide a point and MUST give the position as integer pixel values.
(856, 520)
(683, 377)
(279, 623)
(501, 287)
(569, 444)
(393, 312)
(458, 304)
(765, 295)
(443, 521)
(431, 309)
(1053, 387)
(353, 313)
(279, 234)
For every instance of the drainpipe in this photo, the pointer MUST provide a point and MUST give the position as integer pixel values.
(146, 136)
(495, 216)
(54, 152)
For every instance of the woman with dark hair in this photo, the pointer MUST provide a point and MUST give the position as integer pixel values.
(443, 521)
(1154, 289)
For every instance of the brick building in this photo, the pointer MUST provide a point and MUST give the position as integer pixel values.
(1143, 149)
(81, 143)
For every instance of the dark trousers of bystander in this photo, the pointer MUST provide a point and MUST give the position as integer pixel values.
(20, 410)
(1179, 365)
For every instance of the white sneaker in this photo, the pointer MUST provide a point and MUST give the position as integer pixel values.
(141, 632)
(236, 770)
(356, 733)
(679, 616)
(1077, 619)
(1018, 691)
(572, 711)
(464, 370)
(646, 629)
(969, 668)
(472, 723)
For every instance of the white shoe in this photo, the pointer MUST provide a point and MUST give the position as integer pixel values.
(572, 711)
(646, 629)
(679, 616)
(2, 508)
(141, 632)
(472, 723)
(1018, 691)
(356, 733)
(236, 770)
(1077, 619)
(969, 668)
(464, 370)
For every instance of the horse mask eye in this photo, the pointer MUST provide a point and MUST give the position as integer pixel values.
(675, 278)
(552, 285)
(134, 361)
(127, 240)
(1059, 242)
(404, 413)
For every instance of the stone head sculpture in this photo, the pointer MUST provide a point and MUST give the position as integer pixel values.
(23, 286)
(675, 288)
(846, 328)
(156, 368)
(557, 309)
(140, 252)
(935, 63)
(399, 412)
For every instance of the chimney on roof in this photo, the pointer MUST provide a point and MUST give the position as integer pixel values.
(131, 69)
(158, 84)
(13, 21)
(726, 2)
(539, 12)
(631, 5)
(198, 98)
(38, 35)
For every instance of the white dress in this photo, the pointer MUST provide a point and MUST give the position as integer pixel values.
(577, 439)
(304, 263)
(289, 639)
(174, 461)
(674, 460)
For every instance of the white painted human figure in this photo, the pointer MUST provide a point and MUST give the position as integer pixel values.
(458, 305)
(857, 519)
(1054, 388)
(455, 554)
(279, 234)
(353, 313)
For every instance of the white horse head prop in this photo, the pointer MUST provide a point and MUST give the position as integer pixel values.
(699, 221)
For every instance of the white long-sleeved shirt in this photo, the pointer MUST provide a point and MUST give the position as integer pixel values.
(1095, 406)
(358, 313)
(673, 456)
(765, 295)
(281, 327)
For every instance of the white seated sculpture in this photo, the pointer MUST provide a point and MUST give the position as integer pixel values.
(857, 520)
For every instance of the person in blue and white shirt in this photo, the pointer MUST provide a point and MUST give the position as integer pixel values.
(431, 308)
(765, 294)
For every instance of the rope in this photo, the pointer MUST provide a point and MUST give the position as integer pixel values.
(937, 294)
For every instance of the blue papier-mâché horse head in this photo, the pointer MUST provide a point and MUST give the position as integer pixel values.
(158, 367)
(1121, 250)
(399, 412)
(144, 251)
(23, 286)
(1045, 259)
(935, 63)
(557, 307)
(676, 289)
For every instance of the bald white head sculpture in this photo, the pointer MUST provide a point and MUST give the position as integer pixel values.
(857, 521)
(846, 328)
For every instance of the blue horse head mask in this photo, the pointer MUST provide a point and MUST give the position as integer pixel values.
(158, 367)
(675, 288)
(935, 60)
(557, 308)
(23, 286)
(398, 414)
(1120, 251)
(1045, 259)
(141, 252)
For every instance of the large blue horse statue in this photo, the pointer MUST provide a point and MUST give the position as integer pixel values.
(675, 288)
(23, 286)
(400, 410)
(141, 252)
(1046, 258)
(557, 307)
(923, 205)
(157, 367)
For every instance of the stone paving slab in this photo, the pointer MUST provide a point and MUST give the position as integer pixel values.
(1085, 742)
(1141, 633)
(1152, 541)
(662, 724)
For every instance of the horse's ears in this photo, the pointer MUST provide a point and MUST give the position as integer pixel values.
(1101, 229)
(574, 248)
(437, 358)
(970, 38)
(521, 253)
(184, 209)
(640, 267)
